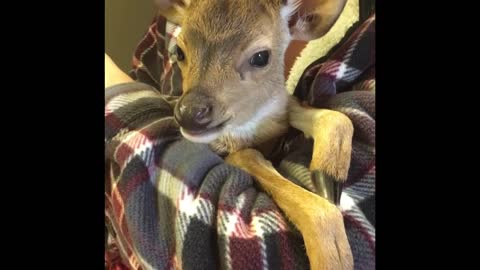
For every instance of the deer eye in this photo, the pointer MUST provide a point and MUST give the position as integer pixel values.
(179, 53)
(259, 59)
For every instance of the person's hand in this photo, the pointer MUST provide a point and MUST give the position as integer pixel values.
(113, 74)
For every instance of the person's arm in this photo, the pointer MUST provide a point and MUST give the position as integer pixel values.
(113, 74)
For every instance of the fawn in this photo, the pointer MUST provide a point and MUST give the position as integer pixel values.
(231, 56)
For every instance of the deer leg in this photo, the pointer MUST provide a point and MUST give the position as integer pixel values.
(332, 134)
(319, 221)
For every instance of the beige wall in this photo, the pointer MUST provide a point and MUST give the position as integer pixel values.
(126, 21)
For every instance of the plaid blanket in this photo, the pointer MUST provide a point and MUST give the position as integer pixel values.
(172, 204)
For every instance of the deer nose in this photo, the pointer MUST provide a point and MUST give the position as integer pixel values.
(193, 111)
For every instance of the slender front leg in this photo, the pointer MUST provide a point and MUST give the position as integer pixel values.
(332, 134)
(319, 221)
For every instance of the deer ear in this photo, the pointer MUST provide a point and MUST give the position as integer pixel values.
(172, 10)
(311, 19)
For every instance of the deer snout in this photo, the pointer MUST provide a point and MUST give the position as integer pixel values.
(193, 111)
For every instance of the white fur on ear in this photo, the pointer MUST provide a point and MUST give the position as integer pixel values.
(286, 12)
(289, 9)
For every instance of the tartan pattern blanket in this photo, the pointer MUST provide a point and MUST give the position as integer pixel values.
(174, 204)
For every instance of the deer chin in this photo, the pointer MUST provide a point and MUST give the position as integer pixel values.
(207, 135)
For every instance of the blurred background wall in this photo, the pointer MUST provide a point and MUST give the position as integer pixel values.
(126, 21)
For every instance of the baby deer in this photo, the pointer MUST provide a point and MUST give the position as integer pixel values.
(231, 55)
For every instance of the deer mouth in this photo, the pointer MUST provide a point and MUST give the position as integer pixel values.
(206, 135)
